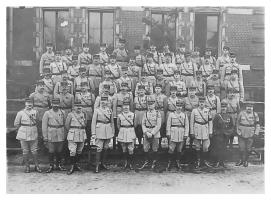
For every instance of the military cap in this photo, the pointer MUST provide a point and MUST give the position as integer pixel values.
(84, 84)
(230, 90)
(226, 47)
(150, 100)
(126, 102)
(68, 47)
(141, 87)
(106, 87)
(196, 49)
(206, 56)
(74, 57)
(208, 49)
(55, 101)
(234, 71)
(108, 72)
(82, 69)
(28, 100)
(49, 44)
(158, 85)
(232, 55)
(96, 56)
(215, 71)
(112, 56)
(103, 45)
(249, 103)
(143, 73)
(192, 86)
(121, 40)
(124, 84)
(176, 71)
(85, 45)
(104, 98)
(137, 47)
(40, 82)
(201, 98)
(77, 103)
(132, 57)
(149, 55)
(224, 103)
(198, 72)
(186, 54)
(58, 53)
(168, 54)
(210, 87)
(173, 88)
(179, 102)
(46, 70)
(160, 71)
(64, 72)
(182, 45)
(64, 83)
(124, 68)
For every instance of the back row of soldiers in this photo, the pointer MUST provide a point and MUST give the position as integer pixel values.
(151, 97)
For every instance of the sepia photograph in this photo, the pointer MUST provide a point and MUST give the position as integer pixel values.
(135, 100)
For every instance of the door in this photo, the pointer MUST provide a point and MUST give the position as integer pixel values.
(206, 32)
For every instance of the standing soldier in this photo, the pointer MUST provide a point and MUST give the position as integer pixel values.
(181, 88)
(102, 128)
(151, 124)
(212, 101)
(223, 127)
(83, 78)
(139, 58)
(105, 92)
(223, 59)
(196, 57)
(87, 100)
(206, 68)
(121, 53)
(150, 68)
(67, 58)
(47, 58)
(248, 128)
(134, 72)
(26, 123)
(48, 82)
(108, 81)
(76, 125)
(161, 80)
(177, 132)
(126, 135)
(208, 54)
(148, 86)
(57, 67)
(104, 58)
(188, 69)
(199, 83)
(140, 105)
(85, 58)
(155, 54)
(54, 134)
(66, 99)
(113, 68)
(172, 99)
(96, 73)
(64, 78)
(165, 52)
(179, 57)
(215, 81)
(125, 79)
(73, 70)
(201, 129)
(168, 68)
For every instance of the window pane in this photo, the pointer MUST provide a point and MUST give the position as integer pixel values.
(94, 31)
(212, 32)
(49, 26)
(157, 18)
(108, 28)
(62, 30)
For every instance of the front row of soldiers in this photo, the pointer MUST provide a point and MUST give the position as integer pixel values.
(202, 124)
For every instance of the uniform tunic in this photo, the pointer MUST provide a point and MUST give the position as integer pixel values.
(200, 86)
(46, 59)
(226, 72)
(156, 57)
(221, 61)
(207, 70)
(115, 70)
(168, 70)
(49, 86)
(26, 121)
(118, 102)
(237, 87)
(148, 88)
(87, 100)
(56, 68)
(150, 69)
(95, 73)
(151, 122)
(248, 124)
(102, 123)
(78, 80)
(73, 71)
(58, 88)
(66, 102)
(67, 59)
(190, 103)
(121, 55)
(179, 59)
(233, 108)
(84, 59)
(163, 58)
(41, 103)
(112, 87)
(211, 58)
(128, 80)
(140, 105)
(213, 103)
(126, 130)
(53, 126)
(217, 84)
(110, 102)
(161, 105)
(181, 88)
(171, 104)
(104, 58)
(177, 126)
(162, 81)
(140, 60)
(134, 72)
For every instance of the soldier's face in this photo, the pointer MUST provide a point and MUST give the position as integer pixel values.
(65, 77)
(225, 51)
(65, 90)
(153, 48)
(143, 78)
(192, 92)
(179, 108)
(96, 61)
(83, 74)
(249, 109)
(173, 93)
(168, 59)
(132, 62)
(211, 92)
(121, 45)
(158, 90)
(83, 89)
(47, 76)
(199, 76)
(215, 76)
(123, 88)
(182, 49)
(166, 47)
(77, 109)
(28, 105)
(141, 91)
(103, 103)
(85, 49)
(58, 57)
(102, 49)
(177, 76)
(207, 61)
(151, 106)
(234, 76)
(224, 109)
(149, 59)
(68, 51)
(40, 87)
(112, 60)
(188, 58)
(231, 94)
(125, 108)
(55, 106)
(137, 51)
(208, 53)
(196, 53)
(125, 72)
(49, 49)
(201, 104)
(159, 75)
(233, 59)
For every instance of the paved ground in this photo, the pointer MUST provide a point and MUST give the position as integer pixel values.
(232, 180)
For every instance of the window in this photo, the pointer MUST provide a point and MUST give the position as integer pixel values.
(56, 28)
(163, 29)
(100, 30)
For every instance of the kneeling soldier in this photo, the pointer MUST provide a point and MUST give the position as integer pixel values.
(151, 124)
(177, 132)
(126, 134)
(75, 125)
(201, 129)
(54, 134)
(26, 123)
(102, 128)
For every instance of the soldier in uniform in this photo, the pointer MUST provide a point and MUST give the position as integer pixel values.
(139, 58)
(223, 59)
(76, 127)
(151, 124)
(201, 129)
(126, 135)
(108, 81)
(150, 68)
(196, 57)
(177, 132)
(171, 100)
(57, 67)
(73, 70)
(223, 126)
(87, 100)
(66, 99)
(47, 58)
(48, 82)
(161, 80)
(212, 101)
(134, 72)
(206, 68)
(26, 123)
(168, 68)
(102, 128)
(199, 83)
(96, 73)
(113, 68)
(85, 58)
(248, 128)
(64, 78)
(67, 58)
(121, 53)
(208, 54)
(148, 86)
(140, 105)
(54, 134)
(125, 79)
(104, 57)
(188, 69)
(155, 54)
(215, 81)
(179, 57)
(105, 92)
(167, 52)
(181, 88)
(83, 78)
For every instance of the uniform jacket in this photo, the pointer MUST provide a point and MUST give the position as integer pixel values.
(114, 69)
(248, 124)
(46, 59)
(126, 127)
(40, 102)
(121, 55)
(118, 102)
(113, 87)
(223, 124)
(98, 102)
(148, 88)
(151, 122)
(58, 88)
(84, 59)
(87, 100)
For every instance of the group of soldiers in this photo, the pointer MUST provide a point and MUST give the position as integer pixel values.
(136, 100)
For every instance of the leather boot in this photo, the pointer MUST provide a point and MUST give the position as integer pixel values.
(76, 165)
(146, 160)
(206, 163)
(51, 161)
(130, 161)
(98, 162)
(36, 161)
(125, 160)
(154, 161)
(222, 164)
(178, 160)
(198, 160)
(241, 161)
(104, 157)
(71, 170)
(170, 158)
(59, 162)
(26, 163)
(245, 163)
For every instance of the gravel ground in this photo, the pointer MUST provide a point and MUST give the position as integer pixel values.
(232, 180)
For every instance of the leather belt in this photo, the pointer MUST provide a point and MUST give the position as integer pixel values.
(85, 106)
(150, 126)
(128, 126)
(66, 107)
(28, 125)
(201, 123)
(171, 110)
(55, 126)
(85, 63)
(95, 75)
(99, 121)
(169, 75)
(39, 106)
(179, 126)
(187, 74)
(189, 110)
(78, 127)
(133, 75)
(141, 109)
(247, 125)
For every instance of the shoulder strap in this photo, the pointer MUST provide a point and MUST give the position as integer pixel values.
(127, 120)
(202, 116)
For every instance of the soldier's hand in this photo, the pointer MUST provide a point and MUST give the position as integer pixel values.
(149, 135)
(192, 136)
(185, 137)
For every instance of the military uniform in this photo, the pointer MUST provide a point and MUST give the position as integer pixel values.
(160, 80)
(199, 84)
(126, 79)
(216, 82)
(59, 85)
(57, 67)
(233, 105)
(181, 88)
(48, 82)
(139, 58)
(104, 58)
(121, 54)
(208, 54)
(196, 57)
(207, 69)
(102, 128)
(26, 123)
(75, 125)
(112, 86)
(83, 78)
(190, 103)
(134, 72)
(247, 128)
(67, 58)
(47, 58)
(85, 58)
(223, 59)
(105, 93)
(148, 86)
(115, 71)
(188, 70)
(73, 70)
(95, 73)
(236, 86)
(171, 101)
(54, 135)
(212, 102)
(156, 57)
(150, 70)
(168, 69)
(161, 106)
